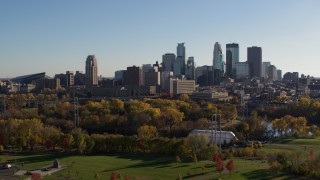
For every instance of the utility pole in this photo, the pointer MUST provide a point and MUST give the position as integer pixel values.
(217, 126)
(4, 104)
(76, 112)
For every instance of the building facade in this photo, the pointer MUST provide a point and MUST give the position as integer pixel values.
(232, 57)
(168, 61)
(272, 72)
(264, 70)
(218, 65)
(133, 76)
(91, 71)
(152, 77)
(279, 75)
(254, 55)
(190, 69)
(181, 58)
(242, 70)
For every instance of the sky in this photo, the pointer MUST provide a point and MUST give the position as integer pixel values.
(57, 36)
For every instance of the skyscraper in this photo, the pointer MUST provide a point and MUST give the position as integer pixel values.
(218, 67)
(217, 57)
(91, 71)
(272, 72)
(167, 61)
(190, 69)
(254, 54)
(181, 57)
(264, 70)
(279, 75)
(145, 68)
(133, 76)
(232, 57)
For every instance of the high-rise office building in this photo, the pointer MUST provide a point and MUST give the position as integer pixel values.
(272, 72)
(145, 68)
(190, 69)
(254, 55)
(279, 75)
(167, 61)
(218, 66)
(152, 77)
(181, 58)
(232, 57)
(204, 75)
(133, 76)
(91, 71)
(217, 57)
(264, 70)
(242, 70)
(70, 78)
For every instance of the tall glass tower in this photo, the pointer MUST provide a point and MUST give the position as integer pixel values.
(181, 57)
(217, 57)
(91, 71)
(232, 57)
(218, 66)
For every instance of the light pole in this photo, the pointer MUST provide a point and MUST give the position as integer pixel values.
(217, 125)
(4, 104)
(76, 112)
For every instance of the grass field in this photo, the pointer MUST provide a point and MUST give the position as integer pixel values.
(139, 166)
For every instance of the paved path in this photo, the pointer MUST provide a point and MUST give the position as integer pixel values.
(7, 174)
(41, 172)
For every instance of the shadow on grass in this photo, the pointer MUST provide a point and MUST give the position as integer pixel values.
(35, 158)
(193, 175)
(155, 161)
(181, 166)
(262, 174)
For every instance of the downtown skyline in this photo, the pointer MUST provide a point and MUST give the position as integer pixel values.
(57, 36)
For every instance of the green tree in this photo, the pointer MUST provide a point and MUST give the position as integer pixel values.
(196, 143)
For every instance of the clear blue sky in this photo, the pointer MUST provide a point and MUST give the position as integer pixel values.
(56, 36)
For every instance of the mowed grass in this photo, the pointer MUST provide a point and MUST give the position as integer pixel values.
(131, 165)
(141, 166)
(292, 144)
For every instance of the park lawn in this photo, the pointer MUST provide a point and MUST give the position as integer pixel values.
(144, 166)
(132, 165)
(294, 144)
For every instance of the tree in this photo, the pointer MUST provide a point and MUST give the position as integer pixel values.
(67, 142)
(184, 97)
(1, 149)
(219, 164)
(171, 116)
(196, 143)
(230, 166)
(113, 176)
(80, 143)
(147, 132)
(36, 176)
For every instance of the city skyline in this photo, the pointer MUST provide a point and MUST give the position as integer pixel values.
(55, 37)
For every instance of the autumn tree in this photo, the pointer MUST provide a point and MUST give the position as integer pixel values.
(147, 132)
(171, 117)
(219, 164)
(230, 165)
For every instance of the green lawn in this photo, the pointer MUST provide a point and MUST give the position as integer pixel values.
(155, 167)
(139, 166)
